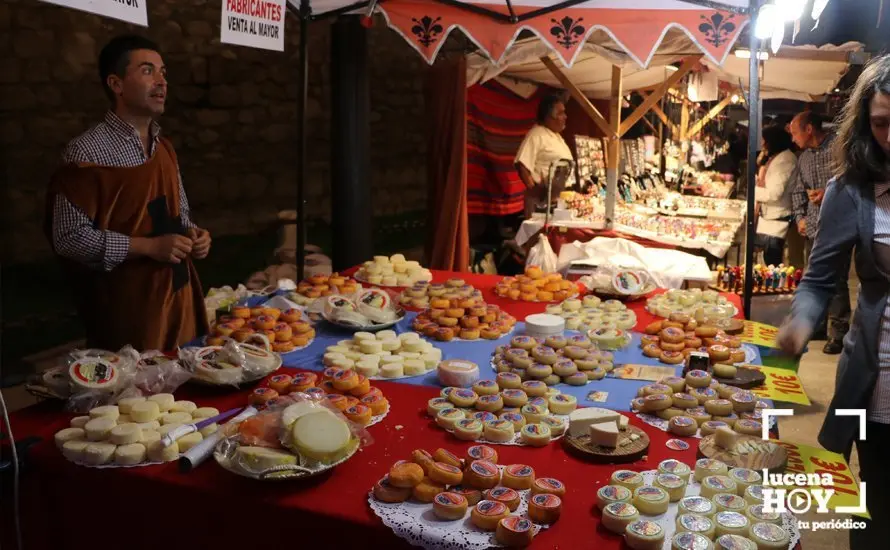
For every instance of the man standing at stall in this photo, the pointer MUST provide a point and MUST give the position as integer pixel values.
(812, 175)
(118, 218)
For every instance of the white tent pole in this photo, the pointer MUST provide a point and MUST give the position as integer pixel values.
(613, 144)
(754, 115)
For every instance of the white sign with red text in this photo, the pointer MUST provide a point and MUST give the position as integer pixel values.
(131, 11)
(253, 23)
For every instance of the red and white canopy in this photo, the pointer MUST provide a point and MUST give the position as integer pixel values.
(637, 26)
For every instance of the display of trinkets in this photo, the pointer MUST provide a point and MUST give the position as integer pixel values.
(769, 279)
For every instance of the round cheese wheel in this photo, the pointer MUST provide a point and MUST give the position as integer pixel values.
(125, 434)
(186, 442)
(73, 449)
(176, 418)
(98, 429)
(458, 373)
(145, 411)
(98, 453)
(163, 400)
(205, 412)
(127, 403)
(128, 455)
(110, 411)
(69, 434)
(183, 406)
(159, 453)
(79, 421)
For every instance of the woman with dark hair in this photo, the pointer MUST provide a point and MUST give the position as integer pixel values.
(543, 145)
(856, 215)
(772, 194)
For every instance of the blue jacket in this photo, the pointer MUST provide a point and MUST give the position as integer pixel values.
(847, 222)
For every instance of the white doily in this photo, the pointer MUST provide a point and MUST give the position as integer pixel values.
(416, 523)
(378, 419)
(113, 465)
(517, 437)
(750, 354)
(668, 520)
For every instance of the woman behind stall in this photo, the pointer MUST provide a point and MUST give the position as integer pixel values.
(772, 193)
(856, 214)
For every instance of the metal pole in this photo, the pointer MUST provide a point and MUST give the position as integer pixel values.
(301, 150)
(753, 145)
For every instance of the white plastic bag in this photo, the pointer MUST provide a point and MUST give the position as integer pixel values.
(542, 255)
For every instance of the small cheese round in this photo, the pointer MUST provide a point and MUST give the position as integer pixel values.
(651, 501)
(73, 449)
(176, 418)
(643, 535)
(392, 370)
(731, 523)
(674, 485)
(690, 541)
(145, 412)
(125, 434)
(131, 454)
(208, 430)
(98, 453)
(149, 437)
(413, 367)
(711, 485)
(68, 434)
(127, 403)
(159, 453)
(705, 467)
(167, 428)
(79, 421)
(110, 411)
(163, 400)
(183, 406)
(186, 442)
(205, 412)
(695, 524)
(152, 425)
(97, 429)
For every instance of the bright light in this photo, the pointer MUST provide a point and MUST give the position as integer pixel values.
(818, 7)
(791, 10)
(778, 36)
(671, 68)
(735, 98)
(766, 21)
(746, 54)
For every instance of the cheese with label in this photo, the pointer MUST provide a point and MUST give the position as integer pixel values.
(92, 373)
(580, 420)
(260, 459)
(321, 436)
(604, 434)
(725, 437)
(458, 373)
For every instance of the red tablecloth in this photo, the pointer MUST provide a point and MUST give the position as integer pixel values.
(68, 506)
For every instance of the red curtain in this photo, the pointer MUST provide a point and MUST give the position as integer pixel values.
(448, 247)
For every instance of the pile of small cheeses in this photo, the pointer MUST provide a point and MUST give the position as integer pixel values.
(384, 355)
(130, 432)
(394, 270)
(420, 294)
(605, 427)
(505, 410)
(701, 305)
(591, 313)
(728, 513)
(699, 403)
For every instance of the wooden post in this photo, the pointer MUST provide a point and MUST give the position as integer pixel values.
(578, 95)
(613, 145)
(715, 110)
(688, 64)
(684, 121)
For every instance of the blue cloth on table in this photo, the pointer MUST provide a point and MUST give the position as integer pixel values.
(620, 392)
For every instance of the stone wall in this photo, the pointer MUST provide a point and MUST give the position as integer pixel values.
(231, 113)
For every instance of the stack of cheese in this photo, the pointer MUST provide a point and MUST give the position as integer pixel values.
(505, 410)
(385, 354)
(701, 305)
(699, 403)
(536, 286)
(419, 295)
(591, 313)
(728, 512)
(605, 427)
(574, 360)
(130, 432)
(394, 270)
(465, 318)
(672, 341)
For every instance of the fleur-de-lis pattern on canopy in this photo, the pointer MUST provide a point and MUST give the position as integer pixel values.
(568, 31)
(717, 28)
(427, 30)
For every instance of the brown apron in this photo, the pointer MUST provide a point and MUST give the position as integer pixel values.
(148, 304)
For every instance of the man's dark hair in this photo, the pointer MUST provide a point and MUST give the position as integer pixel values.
(811, 118)
(545, 107)
(115, 56)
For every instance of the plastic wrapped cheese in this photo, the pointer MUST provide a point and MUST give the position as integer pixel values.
(322, 436)
(458, 373)
(260, 459)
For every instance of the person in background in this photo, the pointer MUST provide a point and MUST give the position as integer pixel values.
(118, 218)
(856, 215)
(777, 164)
(808, 191)
(543, 145)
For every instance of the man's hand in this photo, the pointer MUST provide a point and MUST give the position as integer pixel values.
(802, 227)
(816, 195)
(793, 337)
(170, 248)
(201, 239)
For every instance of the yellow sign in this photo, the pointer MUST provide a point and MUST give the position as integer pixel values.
(780, 385)
(760, 334)
(803, 459)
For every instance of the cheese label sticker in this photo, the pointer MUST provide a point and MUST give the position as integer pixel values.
(650, 493)
(621, 509)
(512, 417)
(94, 371)
(520, 470)
(669, 480)
(539, 402)
(719, 482)
(491, 508)
(516, 523)
(755, 491)
(483, 468)
(758, 512)
(464, 394)
(486, 383)
(469, 424)
(734, 502)
(734, 542)
(450, 499)
(484, 416)
(645, 528)
(614, 492)
(549, 483)
(513, 394)
(781, 385)
(598, 396)
(625, 475)
(682, 421)
(731, 519)
(672, 465)
(489, 398)
(745, 475)
(677, 445)
(545, 500)
(696, 524)
(698, 505)
(533, 429)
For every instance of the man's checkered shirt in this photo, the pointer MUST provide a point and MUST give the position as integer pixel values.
(112, 142)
